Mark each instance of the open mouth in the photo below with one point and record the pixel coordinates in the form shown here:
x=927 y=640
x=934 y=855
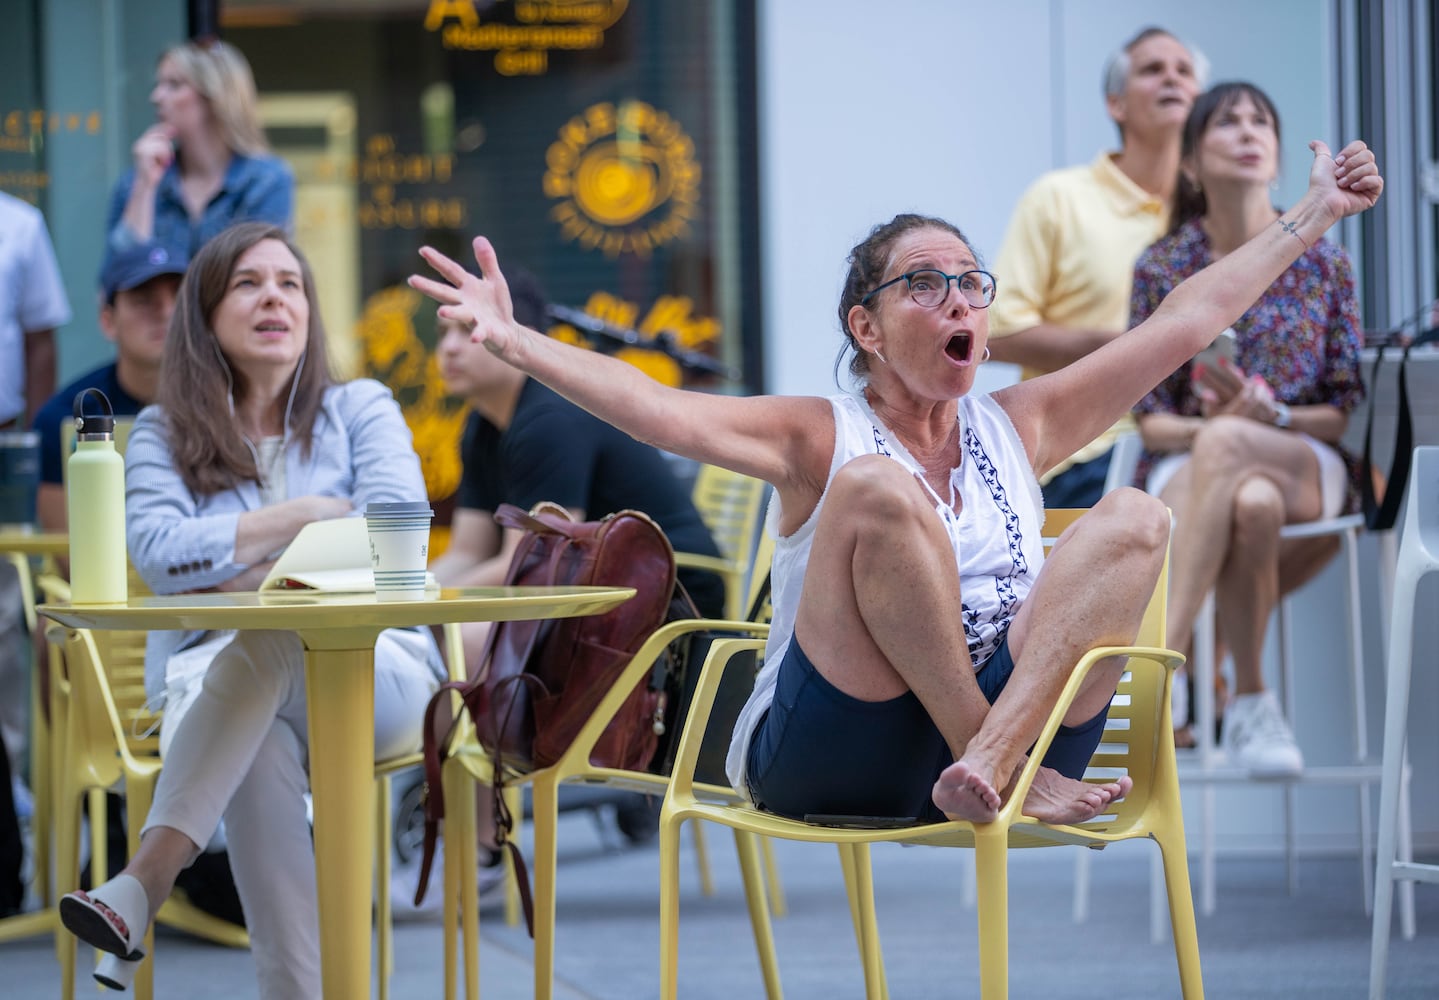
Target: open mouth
x=957 y=347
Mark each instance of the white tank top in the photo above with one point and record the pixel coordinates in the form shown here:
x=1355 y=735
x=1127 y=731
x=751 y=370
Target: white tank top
x=995 y=537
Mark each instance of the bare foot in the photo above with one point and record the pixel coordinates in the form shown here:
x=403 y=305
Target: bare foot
x=962 y=793
x=1053 y=798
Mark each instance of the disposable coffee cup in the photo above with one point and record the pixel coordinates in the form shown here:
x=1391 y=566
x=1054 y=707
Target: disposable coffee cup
x=19 y=479
x=399 y=548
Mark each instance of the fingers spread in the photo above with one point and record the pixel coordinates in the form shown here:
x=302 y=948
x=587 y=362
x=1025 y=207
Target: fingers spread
x=485 y=256
x=437 y=290
x=444 y=265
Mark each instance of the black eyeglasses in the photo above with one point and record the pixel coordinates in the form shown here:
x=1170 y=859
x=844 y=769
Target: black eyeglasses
x=929 y=287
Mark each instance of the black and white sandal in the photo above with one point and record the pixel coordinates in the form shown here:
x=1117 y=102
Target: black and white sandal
x=113 y=918
x=116 y=973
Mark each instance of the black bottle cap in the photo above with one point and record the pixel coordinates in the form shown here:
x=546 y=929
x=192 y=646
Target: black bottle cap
x=96 y=424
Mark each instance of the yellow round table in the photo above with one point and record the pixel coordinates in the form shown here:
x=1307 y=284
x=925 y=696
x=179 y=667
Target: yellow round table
x=339 y=632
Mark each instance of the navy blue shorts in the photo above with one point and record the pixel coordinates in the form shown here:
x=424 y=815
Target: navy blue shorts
x=1079 y=485
x=819 y=751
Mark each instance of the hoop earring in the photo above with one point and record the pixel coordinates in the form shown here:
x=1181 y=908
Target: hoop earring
x=986 y=354
x=880 y=356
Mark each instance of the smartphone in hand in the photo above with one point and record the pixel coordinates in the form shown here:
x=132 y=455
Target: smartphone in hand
x=1221 y=347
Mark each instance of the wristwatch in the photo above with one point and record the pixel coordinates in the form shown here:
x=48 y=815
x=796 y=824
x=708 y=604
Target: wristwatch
x=1282 y=416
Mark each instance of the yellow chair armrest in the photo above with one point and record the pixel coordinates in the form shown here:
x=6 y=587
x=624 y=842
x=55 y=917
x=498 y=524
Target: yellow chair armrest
x=637 y=669
x=714 y=564
x=682 y=783
x=1140 y=657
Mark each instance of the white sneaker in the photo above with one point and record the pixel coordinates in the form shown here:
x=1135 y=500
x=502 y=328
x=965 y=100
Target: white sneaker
x=1256 y=737
x=1179 y=699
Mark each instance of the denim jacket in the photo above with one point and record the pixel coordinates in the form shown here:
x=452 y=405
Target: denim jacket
x=256 y=188
x=178 y=541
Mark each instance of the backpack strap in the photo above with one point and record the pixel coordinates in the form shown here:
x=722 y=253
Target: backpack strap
x=471 y=691
x=1381 y=515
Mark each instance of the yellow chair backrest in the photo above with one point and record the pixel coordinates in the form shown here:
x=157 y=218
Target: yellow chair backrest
x=730 y=505
x=121 y=654
x=96 y=724
x=758 y=605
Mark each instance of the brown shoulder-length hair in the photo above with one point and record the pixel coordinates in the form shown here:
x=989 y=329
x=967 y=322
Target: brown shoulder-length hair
x=198 y=387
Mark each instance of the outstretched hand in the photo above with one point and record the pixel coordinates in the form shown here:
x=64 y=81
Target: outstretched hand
x=480 y=303
x=1348 y=182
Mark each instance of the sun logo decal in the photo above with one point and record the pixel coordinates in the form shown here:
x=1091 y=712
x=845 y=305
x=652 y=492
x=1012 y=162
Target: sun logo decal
x=624 y=179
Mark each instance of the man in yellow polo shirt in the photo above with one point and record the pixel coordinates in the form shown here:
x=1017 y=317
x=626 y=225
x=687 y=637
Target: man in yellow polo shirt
x=1065 y=267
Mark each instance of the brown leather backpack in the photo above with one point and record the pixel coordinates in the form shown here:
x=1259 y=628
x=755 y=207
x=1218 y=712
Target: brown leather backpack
x=537 y=682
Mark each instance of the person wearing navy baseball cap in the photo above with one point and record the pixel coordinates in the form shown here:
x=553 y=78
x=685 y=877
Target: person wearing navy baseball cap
x=138 y=286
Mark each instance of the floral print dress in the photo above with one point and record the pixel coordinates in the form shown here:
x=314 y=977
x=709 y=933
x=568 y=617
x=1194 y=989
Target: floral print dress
x=1302 y=336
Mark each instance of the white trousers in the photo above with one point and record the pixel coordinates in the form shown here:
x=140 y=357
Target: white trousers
x=240 y=753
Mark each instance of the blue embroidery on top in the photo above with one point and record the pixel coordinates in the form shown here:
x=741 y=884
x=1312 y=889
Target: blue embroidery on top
x=881 y=446
x=985 y=636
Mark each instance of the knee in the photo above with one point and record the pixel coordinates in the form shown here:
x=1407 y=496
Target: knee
x=258 y=663
x=1135 y=519
x=1221 y=446
x=1258 y=514
x=877 y=489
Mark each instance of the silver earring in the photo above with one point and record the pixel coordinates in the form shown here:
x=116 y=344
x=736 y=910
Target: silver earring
x=879 y=355
x=986 y=354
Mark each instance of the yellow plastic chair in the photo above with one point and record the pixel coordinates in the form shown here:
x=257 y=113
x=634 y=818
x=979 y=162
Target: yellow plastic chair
x=104 y=733
x=1137 y=741
x=42 y=781
x=384 y=771
x=40 y=747
x=1205 y=766
x=97 y=756
x=730 y=504
x=470 y=763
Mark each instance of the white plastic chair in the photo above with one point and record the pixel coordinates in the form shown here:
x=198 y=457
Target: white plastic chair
x=1206 y=765
x=1418 y=557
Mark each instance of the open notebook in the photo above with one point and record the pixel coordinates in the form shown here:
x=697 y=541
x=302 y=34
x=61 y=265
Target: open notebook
x=331 y=555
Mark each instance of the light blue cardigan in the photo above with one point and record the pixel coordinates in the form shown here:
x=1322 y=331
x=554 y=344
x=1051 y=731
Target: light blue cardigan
x=178 y=541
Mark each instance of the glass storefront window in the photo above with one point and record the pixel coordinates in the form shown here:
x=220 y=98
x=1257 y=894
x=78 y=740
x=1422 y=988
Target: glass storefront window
x=606 y=146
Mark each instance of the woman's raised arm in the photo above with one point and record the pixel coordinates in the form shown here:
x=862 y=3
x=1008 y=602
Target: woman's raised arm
x=1070 y=407
x=769 y=437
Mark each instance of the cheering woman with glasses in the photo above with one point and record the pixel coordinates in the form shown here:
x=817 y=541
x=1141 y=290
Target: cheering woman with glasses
x=920 y=636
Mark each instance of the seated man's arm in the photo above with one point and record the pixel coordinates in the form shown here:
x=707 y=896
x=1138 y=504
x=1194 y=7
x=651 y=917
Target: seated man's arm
x=50 y=507
x=478 y=555
x=1030 y=272
x=479 y=551
x=1048 y=347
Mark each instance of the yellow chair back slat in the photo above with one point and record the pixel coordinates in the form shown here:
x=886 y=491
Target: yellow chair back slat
x=730 y=505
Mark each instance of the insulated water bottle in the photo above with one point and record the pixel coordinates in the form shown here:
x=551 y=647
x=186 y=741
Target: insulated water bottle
x=95 y=500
